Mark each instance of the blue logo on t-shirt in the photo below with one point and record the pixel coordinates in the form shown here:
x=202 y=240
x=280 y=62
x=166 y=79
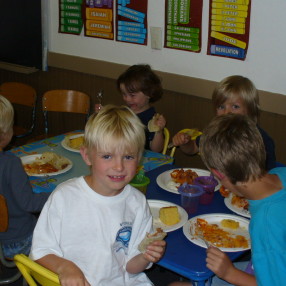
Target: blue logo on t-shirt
x=123 y=238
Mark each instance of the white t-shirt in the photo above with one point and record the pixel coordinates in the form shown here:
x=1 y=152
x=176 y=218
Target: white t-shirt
x=99 y=234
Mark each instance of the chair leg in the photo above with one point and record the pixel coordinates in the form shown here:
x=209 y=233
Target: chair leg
x=8 y=264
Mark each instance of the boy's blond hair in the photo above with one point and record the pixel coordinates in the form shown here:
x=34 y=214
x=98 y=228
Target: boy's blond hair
x=6 y=115
x=238 y=86
x=115 y=128
x=232 y=144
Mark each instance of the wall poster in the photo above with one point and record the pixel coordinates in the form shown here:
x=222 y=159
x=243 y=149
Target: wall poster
x=70 y=16
x=131 y=21
x=183 y=22
x=229 y=28
x=98 y=21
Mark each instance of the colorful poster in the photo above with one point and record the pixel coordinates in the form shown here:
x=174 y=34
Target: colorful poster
x=131 y=21
x=183 y=21
x=98 y=21
x=70 y=16
x=229 y=28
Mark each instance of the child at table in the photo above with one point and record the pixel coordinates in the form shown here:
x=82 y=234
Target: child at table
x=140 y=86
x=15 y=187
x=90 y=228
x=234 y=94
x=233 y=150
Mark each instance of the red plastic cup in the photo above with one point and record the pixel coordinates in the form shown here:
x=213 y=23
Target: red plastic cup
x=190 y=197
x=208 y=183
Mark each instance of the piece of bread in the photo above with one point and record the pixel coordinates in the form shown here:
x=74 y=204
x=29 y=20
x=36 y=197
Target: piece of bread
x=150 y=237
x=152 y=127
x=76 y=143
x=230 y=223
x=169 y=215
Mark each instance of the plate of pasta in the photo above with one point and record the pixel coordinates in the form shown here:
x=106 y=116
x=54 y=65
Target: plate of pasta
x=237 y=204
x=227 y=232
x=168 y=183
x=73 y=143
x=46 y=164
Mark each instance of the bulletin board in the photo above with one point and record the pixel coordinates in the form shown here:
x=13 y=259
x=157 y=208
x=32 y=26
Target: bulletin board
x=229 y=28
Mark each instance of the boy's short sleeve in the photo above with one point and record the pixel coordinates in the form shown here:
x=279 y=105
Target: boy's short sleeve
x=47 y=231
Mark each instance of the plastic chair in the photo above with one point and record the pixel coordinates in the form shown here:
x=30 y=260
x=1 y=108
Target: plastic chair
x=23 y=95
x=61 y=100
x=35 y=273
x=167 y=139
x=3 y=227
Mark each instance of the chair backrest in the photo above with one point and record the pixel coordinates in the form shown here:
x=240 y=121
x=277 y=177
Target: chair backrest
x=4 y=219
x=3 y=214
x=35 y=273
x=21 y=94
x=166 y=140
x=61 y=100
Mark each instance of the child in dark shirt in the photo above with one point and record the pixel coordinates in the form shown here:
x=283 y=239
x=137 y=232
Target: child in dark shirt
x=22 y=203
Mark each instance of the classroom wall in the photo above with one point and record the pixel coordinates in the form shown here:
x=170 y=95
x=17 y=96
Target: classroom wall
x=265 y=63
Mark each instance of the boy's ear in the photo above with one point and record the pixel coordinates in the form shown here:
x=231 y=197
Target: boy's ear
x=85 y=155
x=218 y=174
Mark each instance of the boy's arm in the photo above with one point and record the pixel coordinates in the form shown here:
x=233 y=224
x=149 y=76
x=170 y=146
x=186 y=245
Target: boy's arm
x=154 y=253
x=220 y=264
x=185 y=143
x=157 y=143
x=69 y=273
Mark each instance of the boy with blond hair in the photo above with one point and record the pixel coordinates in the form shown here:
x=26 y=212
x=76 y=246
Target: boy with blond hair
x=89 y=230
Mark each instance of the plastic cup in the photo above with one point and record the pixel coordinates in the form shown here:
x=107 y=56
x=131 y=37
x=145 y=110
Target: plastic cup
x=190 y=197
x=141 y=183
x=208 y=183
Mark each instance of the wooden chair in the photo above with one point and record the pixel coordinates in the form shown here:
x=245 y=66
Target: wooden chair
x=34 y=273
x=4 y=219
x=62 y=101
x=70 y=101
x=23 y=95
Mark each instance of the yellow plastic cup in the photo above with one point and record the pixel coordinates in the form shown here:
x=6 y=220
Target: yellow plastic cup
x=140 y=183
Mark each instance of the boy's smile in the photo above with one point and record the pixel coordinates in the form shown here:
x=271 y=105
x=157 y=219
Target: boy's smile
x=137 y=101
x=110 y=171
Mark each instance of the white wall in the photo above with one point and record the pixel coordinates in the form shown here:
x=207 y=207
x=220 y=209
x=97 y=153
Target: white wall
x=265 y=62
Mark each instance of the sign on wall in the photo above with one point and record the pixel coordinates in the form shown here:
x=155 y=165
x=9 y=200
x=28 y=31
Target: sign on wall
x=70 y=16
x=229 y=28
x=99 y=19
x=183 y=21
x=131 y=21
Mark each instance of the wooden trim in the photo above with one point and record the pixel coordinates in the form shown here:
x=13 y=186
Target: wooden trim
x=271 y=102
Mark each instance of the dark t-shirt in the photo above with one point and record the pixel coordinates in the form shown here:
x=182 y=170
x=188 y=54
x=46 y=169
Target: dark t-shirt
x=145 y=117
x=21 y=201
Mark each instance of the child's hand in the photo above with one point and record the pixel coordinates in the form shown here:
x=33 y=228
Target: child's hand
x=155 y=251
x=181 y=139
x=218 y=262
x=72 y=276
x=161 y=122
